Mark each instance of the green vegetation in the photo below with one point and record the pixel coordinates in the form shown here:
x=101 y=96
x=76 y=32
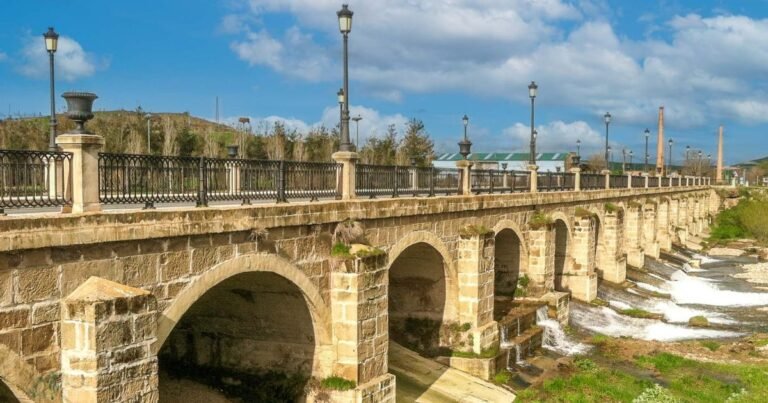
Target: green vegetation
x=522 y=286
x=698 y=321
x=710 y=345
x=503 y=377
x=599 y=302
x=611 y=208
x=659 y=377
x=485 y=353
x=582 y=212
x=341 y=250
x=540 y=220
x=337 y=383
x=470 y=230
x=746 y=220
x=599 y=339
x=639 y=313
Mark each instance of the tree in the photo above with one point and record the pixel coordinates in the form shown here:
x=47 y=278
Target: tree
x=381 y=151
x=596 y=163
x=416 y=144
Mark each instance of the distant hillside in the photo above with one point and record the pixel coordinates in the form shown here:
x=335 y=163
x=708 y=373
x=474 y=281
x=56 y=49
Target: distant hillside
x=126 y=132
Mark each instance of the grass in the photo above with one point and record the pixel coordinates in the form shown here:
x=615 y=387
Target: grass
x=503 y=377
x=611 y=208
x=540 y=220
x=471 y=230
x=710 y=345
x=599 y=339
x=638 y=313
x=337 y=383
x=341 y=250
x=746 y=220
x=486 y=353
x=659 y=377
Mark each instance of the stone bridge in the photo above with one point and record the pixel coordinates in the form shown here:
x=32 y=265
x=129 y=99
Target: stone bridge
x=95 y=306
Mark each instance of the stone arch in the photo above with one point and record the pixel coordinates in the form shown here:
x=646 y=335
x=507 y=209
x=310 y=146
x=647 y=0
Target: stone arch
x=599 y=247
x=563 y=239
x=511 y=256
x=451 y=277
x=17 y=377
x=264 y=263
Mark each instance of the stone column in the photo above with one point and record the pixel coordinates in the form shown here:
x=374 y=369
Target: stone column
x=107 y=331
x=82 y=183
x=691 y=218
x=629 y=181
x=576 y=178
x=475 y=269
x=414 y=180
x=650 y=245
x=645 y=176
x=360 y=323
x=465 y=182
x=348 y=161
x=610 y=261
x=234 y=178
x=534 y=182
x=582 y=280
x=541 y=259
x=633 y=231
x=607 y=174
x=663 y=226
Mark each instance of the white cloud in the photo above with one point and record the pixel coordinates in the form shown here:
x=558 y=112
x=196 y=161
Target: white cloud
x=3 y=56
x=554 y=136
x=72 y=62
x=495 y=48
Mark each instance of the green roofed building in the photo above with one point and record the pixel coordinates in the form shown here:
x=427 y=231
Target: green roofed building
x=547 y=162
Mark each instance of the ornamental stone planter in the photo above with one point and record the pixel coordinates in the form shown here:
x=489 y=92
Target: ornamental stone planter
x=79 y=109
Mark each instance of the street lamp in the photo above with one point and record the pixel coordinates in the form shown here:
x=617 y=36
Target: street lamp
x=709 y=163
x=51 y=44
x=698 y=165
x=607 y=119
x=357 y=120
x=345 y=27
x=532 y=90
x=465 y=145
x=647 y=134
x=232 y=150
x=609 y=157
x=623 y=160
x=149 y=130
x=631 y=154
x=578 y=148
x=669 y=163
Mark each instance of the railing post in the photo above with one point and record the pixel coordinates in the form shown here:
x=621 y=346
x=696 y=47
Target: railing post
x=348 y=160
x=607 y=174
x=395 y=186
x=82 y=182
x=534 y=179
x=629 y=181
x=576 y=178
x=415 y=181
x=431 y=181
x=645 y=176
x=490 y=178
x=465 y=182
x=202 y=184
x=505 y=180
x=281 y=183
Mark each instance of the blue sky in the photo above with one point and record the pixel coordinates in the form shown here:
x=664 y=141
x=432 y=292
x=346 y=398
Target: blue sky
x=706 y=61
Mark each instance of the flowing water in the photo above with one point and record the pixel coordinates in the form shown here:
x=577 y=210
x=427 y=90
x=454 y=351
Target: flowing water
x=554 y=337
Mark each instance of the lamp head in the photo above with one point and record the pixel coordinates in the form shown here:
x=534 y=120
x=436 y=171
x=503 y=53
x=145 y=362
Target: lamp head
x=532 y=89
x=51 y=40
x=345 y=19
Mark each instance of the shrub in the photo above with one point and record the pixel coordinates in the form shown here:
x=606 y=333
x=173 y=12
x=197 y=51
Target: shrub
x=341 y=250
x=540 y=220
x=337 y=383
x=503 y=377
x=655 y=394
x=473 y=229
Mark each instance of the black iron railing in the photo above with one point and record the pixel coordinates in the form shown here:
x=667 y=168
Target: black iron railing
x=638 y=181
x=485 y=181
x=555 y=181
x=383 y=180
x=34 y=179
x=436 y=181
x=150 y=179
x=592 y=181
x=665 y=181
x=653 y=182
x=618 y=181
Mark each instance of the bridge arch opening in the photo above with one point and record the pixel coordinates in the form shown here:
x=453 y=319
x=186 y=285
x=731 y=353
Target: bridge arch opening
x=252 y=335
x=507 y=262
x=561 y=251
x=417 y=298
x=7 y=394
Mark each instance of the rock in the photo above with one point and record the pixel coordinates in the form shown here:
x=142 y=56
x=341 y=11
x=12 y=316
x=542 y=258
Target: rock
x=356 y=248
x=725 y=252
x=762 y=254
x=698 y=321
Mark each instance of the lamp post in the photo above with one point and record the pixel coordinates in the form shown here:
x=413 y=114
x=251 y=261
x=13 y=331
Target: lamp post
x=698 y=165
x=631 y=154
x=340 y=97
x=709 y=163
x=345 y=27
x=623 y=160
x=578 y=148
x=149 y=130
x=647 y=134
x=357 y=120
x=609 y=157
x=465 y=145
x=51 y=44
x=607 y=119
x=669 y=163
x=532 y=90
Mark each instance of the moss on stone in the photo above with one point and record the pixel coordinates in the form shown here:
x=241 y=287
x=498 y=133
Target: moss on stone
x=472 y=230
x=540 y=220
x=337 y=383
x=698 y=321
x=583 y=213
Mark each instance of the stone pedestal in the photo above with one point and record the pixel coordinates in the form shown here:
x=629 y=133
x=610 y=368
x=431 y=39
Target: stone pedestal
x=360 y=322
x=82 y=182
x=465 y=181
x=607 y=174
x=534 y=182
x=107 y=330
x=348 y=160
x=583 y=287
x=576 y=178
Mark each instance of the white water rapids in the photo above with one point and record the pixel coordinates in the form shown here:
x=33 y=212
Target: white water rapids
x=554 y=337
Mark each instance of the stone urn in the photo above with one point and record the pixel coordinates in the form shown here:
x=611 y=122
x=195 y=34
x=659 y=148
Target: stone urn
x=79 y=109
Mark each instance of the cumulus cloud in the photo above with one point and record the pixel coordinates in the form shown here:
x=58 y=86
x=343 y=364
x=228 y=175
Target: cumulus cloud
x=495 y=48
x=72 y=61
x=3 y=56
x=554 y=136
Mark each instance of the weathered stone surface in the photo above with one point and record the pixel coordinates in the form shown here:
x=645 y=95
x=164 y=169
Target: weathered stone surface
x=37 y=284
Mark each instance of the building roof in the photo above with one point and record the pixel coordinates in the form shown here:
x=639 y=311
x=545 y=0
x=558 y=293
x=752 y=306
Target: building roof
x=494 y=157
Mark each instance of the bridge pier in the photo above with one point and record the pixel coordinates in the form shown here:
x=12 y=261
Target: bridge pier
x=107 y=330
x=610 y=261
x=360 y=325
x=476 y=276
x=582 y=280
x=633 y=231
x=663 y=224
x=541 y=259
x=650 y=245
